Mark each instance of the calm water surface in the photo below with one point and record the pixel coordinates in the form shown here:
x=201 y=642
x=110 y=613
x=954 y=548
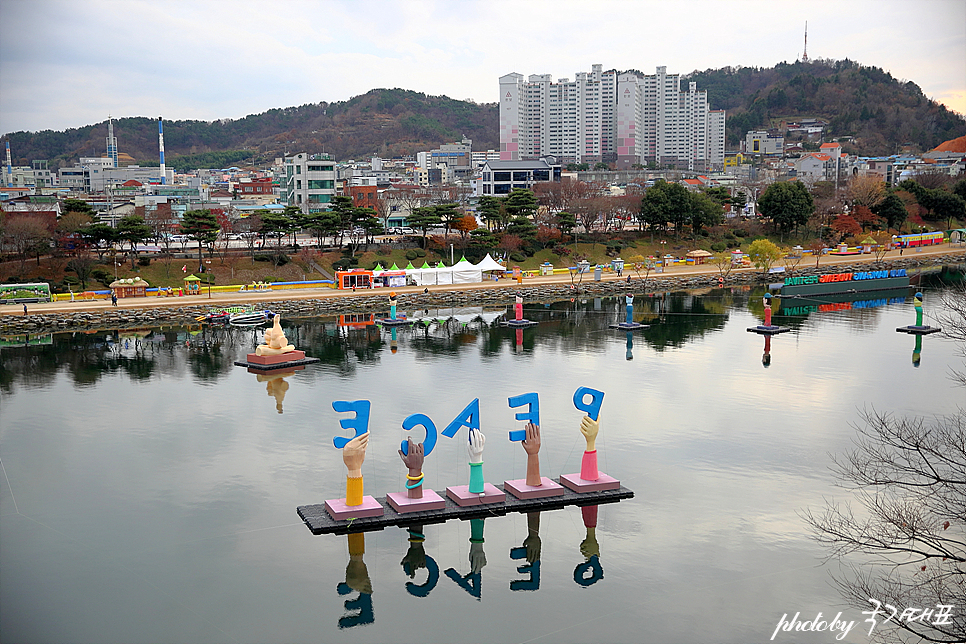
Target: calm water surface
x=149 y=486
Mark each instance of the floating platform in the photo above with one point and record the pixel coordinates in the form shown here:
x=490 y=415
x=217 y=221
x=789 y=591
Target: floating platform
x=273 y=363
x=319 y=521
x=389 y=322
x=633 y=326
x=518 y=324
x=912 y=329
x=768 y=330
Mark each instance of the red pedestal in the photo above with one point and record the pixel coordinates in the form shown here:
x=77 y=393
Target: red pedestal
x=401 y=503
x=461 y=495
x=577 y=484
x=521 y=490
x=339 y=511
x=291 y=356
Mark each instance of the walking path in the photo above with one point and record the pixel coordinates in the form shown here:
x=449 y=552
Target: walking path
x=246 y=297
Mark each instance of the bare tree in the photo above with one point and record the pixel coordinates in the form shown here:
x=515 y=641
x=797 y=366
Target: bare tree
x=909 y=478
x=27 y=234
x=867 y=190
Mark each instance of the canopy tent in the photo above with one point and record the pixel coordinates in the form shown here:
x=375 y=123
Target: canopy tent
x=490 y=264
x=466 y=273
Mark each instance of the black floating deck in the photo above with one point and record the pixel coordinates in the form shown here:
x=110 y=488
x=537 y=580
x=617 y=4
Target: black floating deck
x=912 y=329
x=276 y=367
x=634 y=326
x=319 y=521
x=518 y=324
x=768 y=330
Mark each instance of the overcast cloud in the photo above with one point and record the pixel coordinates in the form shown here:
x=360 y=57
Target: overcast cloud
x=69 y=63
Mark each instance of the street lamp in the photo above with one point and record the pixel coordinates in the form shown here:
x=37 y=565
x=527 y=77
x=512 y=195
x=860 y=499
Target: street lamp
x=208 y=261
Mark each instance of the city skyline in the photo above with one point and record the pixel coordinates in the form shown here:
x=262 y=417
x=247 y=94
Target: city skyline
x=67 y=64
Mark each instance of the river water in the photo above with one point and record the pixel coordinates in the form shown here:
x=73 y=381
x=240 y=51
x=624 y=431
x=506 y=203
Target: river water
x=149 y=486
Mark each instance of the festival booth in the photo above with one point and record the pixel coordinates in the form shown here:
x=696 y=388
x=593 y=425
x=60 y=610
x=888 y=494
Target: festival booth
x=355 y=278
x=698 y=256
x=192 y=285
x=131 y=287
x=490 y=265
x=388 y=278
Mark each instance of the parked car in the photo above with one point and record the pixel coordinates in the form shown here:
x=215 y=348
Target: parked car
x=406 y=230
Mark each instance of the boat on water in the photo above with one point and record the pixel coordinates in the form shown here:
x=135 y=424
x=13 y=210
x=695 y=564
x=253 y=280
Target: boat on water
x=237 y=315
x=250 y=318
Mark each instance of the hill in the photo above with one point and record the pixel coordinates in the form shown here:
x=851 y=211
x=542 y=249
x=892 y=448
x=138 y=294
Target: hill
x=856 y=100
x=384 y=122
x=864 y=102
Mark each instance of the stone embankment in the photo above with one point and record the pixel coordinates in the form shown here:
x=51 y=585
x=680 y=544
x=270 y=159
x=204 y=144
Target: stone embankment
x=12 y=323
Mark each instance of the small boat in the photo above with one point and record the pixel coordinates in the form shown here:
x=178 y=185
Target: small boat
x=222 y=315
x=250 y=318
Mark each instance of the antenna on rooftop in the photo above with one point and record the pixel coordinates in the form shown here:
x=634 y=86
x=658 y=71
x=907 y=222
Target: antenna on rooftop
x=805 y=51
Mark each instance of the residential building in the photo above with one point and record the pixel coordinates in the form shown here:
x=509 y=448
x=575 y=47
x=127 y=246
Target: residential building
x=572 y=120
x=309 y=181
x=502 y=177
x=364 y=196
x=764 y=142
x=659 y=123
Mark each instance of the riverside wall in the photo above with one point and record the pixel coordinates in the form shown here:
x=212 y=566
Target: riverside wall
x=13 y=323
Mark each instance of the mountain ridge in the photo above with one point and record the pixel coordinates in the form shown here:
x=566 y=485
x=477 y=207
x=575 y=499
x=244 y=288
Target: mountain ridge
x=856 y=100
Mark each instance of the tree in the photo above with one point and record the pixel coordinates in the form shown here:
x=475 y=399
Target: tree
x=162 y=222
x=763 y=253
x=704 y=212
x=724 y=262
x=134 y=231
x=600 y=165
x=201 y=226
x=892 y=210
x=251 y=228
x=948 y=206
x=69 y=226
x=787 y=204
x=27 y=234
x=342 y=208
x=908 y=476
x=78 y=206
x=864 y=216
x=654 y=207
x=100 y=236
x=521 y=203
x=464 y=226
x=424 y=219
x=866 y=190
x=276 y=223
x=492 y=210
x=448 y=214
x=82 y=265
x=846 y=226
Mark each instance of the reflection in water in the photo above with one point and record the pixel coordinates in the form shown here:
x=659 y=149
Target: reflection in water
x=275 y=384
x=472 y=582
x=590 y=549
x=766 y=356
x=917 y=352
x=357 y=579
x=629 y=355
x=417 y=559
x=530 y=550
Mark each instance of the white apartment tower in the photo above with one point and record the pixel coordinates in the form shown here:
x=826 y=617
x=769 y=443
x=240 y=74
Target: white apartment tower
x=657 y=122
x=571 y=120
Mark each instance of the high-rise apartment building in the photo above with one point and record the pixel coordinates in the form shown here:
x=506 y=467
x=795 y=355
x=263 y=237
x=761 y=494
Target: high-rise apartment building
x=570 y=120
x=603 y=116
x=659 y=123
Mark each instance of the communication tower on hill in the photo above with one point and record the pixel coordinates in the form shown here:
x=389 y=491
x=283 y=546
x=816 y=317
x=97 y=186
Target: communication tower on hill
x=805 y=51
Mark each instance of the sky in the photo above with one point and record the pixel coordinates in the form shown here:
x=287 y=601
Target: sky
x=70 y=63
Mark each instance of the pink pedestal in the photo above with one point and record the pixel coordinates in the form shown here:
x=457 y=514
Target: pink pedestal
x=462 y=496
x=521 y=490
x=291 y=356
x=577 y=484
x=339 y=511
x=402 y=503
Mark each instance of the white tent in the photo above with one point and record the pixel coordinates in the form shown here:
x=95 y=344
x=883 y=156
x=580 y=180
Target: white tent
x=466 y=273
x=490 y=264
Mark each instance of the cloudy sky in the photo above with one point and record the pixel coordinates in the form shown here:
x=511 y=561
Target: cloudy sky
x=69 y=63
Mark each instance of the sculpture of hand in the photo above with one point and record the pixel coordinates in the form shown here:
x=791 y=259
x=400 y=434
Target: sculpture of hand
x=589 y=546
x=413 y=459
x=532 y=446
x=475 y=447
x=354 y=453
x=589 y=428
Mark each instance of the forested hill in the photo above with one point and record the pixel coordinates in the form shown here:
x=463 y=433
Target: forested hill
x=865 y=102
x=382 y=122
